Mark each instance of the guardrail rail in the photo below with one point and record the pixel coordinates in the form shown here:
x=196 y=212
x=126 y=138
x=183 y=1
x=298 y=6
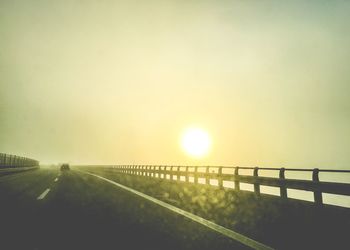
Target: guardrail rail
x=219 y=174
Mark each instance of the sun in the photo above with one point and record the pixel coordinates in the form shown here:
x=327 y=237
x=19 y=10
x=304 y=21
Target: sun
x=196 y=142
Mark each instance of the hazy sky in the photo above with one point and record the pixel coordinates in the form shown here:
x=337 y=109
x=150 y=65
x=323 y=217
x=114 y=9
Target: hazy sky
x=118 y=81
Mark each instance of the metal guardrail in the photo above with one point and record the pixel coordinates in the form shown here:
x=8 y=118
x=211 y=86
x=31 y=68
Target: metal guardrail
x=218 y=173
x=14 y=161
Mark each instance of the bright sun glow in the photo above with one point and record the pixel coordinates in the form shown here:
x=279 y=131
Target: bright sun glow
x=196 y=142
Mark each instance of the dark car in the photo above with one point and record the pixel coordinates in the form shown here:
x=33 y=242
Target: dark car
x=65 y=166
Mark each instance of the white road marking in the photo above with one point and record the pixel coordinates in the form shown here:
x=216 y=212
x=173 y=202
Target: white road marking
x=56 y=179
x=220 y=229
x=42 y=196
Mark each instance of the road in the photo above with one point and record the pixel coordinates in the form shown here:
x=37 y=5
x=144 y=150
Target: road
x=52 y=209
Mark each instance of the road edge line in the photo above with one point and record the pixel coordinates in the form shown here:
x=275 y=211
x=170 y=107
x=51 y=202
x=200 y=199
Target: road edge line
x=220 y=229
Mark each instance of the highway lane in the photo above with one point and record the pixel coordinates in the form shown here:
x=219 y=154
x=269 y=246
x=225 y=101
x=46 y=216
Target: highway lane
x=81 y=211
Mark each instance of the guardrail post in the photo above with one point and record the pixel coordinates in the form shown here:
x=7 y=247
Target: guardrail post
x=195 y=175
x=171 y=173
x=256 y=182
x=220 y=181
x=160 y=172
x=317 y=193
x=236 y=179
x=187 y=176
x=207 y=180
x=283 y=189
x=178 y=173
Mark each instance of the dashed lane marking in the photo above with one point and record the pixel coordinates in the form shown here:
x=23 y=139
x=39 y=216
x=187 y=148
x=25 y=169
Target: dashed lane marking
x=220 y=229
x=42 y=196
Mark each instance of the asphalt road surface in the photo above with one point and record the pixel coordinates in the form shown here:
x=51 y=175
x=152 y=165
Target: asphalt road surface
x=52 y=209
